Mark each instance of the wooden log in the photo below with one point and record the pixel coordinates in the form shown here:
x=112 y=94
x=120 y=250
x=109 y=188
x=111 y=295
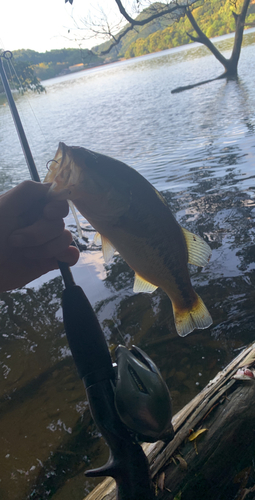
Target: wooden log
x=219 y=463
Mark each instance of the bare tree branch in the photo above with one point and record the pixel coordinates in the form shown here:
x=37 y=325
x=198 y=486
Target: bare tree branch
x=194 y=38
x=173 y=11
x=116 y=40
x=157 y=13
x=202 y=38
x=169 y=9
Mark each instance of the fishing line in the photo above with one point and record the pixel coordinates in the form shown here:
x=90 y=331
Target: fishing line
x=29 y=103
x=10 y=71
x=7 y=61
x=122 y=336
x=17 y=76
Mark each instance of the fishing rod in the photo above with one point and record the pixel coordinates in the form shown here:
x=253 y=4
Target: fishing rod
x=127 y=463
x=15 y=115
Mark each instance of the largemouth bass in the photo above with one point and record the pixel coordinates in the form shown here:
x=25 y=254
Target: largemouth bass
x=133 y=217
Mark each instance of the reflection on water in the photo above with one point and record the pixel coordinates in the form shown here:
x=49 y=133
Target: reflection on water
x=198 y=149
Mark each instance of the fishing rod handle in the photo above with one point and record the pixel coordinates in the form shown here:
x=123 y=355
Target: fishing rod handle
x=127 y=463
x=85 y=337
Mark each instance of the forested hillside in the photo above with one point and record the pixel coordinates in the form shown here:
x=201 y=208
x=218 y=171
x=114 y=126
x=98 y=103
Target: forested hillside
x=214 y=18
x=139 y=32
x=55 y=62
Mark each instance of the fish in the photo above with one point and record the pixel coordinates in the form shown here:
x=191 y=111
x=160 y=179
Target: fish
x=129 y=215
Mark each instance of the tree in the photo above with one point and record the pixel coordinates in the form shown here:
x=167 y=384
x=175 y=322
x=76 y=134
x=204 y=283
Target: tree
x=172 y=11
x=21 y=77
x=55 y=62
x=27 y=78
x=230 y=65
x=115 y=28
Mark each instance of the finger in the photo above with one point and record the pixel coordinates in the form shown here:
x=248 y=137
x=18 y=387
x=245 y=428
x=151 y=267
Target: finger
x=56 y=209
x=28 y=271
x=70 y=255
x=23 y=196
x=52 y=248
x=37 y=234
x=39 y=267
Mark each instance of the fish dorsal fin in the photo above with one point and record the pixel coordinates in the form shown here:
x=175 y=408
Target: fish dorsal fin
x=199 y=251
x=71 y=205
x=141 y=285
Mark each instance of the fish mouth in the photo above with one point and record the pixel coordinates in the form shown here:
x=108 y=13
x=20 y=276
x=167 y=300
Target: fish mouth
x=63 y=172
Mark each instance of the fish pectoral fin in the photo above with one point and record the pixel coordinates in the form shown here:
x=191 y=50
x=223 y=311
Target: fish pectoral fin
x=141 y=285
x=199 y=251
x=187 y=320
x=97 y=239
x=107 y=249
x=72 y=207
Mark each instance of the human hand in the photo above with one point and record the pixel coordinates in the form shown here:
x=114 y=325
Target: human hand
x=32 y=235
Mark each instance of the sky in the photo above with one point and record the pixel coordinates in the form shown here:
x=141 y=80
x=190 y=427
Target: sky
x=43 y=24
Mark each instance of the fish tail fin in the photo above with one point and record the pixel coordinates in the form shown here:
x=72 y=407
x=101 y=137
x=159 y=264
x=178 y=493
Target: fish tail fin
x=187 y=320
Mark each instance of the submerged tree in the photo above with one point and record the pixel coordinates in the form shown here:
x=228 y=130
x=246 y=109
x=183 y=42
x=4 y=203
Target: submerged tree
x=171 y=12
x=230 y=65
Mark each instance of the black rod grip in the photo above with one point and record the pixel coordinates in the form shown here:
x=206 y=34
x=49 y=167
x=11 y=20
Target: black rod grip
x=127 y=463
x=85 y=337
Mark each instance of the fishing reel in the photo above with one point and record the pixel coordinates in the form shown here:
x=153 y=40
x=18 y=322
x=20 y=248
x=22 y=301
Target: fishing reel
x=141 y=396
x=135 y=405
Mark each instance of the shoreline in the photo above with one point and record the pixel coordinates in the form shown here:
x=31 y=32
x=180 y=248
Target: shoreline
x=123 y=59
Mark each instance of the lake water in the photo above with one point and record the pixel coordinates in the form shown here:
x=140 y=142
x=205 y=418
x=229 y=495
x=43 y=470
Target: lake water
x=198 y=148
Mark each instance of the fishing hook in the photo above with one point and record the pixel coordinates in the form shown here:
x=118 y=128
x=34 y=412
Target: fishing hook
x=50 y=161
